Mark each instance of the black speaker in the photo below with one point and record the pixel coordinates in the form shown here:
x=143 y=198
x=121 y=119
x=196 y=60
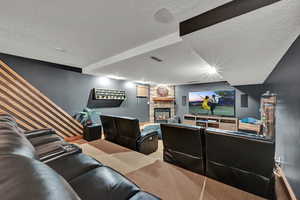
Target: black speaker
x=244 y=100
x=183 y=100
x=92 y=132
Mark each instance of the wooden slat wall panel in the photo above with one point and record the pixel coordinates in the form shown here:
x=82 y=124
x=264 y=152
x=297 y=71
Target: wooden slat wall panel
x=31 y=108
x=24 y=92
x=37 y=95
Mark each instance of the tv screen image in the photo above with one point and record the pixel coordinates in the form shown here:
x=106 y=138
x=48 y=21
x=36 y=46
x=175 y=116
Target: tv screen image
x=220 y=103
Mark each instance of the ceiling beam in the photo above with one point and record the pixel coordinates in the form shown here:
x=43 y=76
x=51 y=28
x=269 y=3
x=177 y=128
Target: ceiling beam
x=222 y=13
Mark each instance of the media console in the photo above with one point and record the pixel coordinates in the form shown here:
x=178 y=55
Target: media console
x=207 y=121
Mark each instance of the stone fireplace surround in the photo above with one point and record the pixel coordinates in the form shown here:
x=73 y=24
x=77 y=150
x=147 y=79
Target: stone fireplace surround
x=161 y=104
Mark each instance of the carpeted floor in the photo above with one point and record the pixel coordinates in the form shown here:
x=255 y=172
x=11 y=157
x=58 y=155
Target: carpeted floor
x=153 y=175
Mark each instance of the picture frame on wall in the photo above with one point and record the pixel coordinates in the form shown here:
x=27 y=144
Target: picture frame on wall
x=142 y=91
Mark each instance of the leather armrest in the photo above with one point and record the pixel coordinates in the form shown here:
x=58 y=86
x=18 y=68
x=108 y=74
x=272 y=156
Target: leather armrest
x=148 y=142
x=39 y=132
x=147 y=134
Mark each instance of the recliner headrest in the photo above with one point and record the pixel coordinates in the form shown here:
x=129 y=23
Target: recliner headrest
x=9 y=119
x=14 y=142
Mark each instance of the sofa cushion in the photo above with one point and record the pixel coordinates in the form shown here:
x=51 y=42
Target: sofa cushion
x=25 y=178
x=103 y=183
x=14 y=142
x=9 y=119
x=76 y=164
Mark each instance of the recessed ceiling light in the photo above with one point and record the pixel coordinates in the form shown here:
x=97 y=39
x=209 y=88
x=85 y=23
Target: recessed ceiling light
x=163 y=85
x=116 y=77
x=60 y=49
x=212 y=70
x=142 y=82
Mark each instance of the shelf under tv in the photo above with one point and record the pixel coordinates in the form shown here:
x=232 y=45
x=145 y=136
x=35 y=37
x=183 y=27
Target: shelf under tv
x=209 y=121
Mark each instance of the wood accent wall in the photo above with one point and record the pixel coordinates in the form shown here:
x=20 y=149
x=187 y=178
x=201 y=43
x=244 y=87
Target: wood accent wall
x=31 y=108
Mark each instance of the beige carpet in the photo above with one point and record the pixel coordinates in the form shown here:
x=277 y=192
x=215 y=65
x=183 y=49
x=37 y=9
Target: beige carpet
x=162 y=179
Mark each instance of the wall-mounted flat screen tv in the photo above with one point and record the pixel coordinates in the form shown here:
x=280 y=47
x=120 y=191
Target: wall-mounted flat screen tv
x=219 y=102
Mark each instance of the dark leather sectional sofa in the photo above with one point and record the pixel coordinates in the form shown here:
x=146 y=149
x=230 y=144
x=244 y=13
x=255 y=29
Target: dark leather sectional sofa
x=242 y=160
x=126 y=132
x=64 y=174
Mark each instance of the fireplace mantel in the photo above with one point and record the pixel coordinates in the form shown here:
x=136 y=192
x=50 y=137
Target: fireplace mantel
x=164 y=99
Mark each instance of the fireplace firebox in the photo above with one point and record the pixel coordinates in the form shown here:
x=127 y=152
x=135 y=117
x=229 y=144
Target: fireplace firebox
x=161 y=115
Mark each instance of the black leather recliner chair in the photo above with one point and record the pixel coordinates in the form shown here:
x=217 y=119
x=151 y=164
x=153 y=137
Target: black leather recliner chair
x=184 y=146
x=72 y=177
x=126 y=132
x=241 y=160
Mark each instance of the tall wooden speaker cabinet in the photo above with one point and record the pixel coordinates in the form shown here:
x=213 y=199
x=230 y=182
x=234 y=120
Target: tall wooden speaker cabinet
x=268 y=114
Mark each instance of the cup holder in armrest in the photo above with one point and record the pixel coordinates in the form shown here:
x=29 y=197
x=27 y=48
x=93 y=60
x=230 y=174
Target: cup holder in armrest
x=60 y=151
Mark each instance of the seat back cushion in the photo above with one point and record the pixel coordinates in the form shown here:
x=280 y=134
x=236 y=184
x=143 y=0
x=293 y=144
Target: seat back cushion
x=129 y=132
x=109 y=127
x=240 y=161
x=9 y=119
x=252 y=155
x=82 y=162
x=103 y=183
x=184 y=146
x=12 y=141
x=25 y=178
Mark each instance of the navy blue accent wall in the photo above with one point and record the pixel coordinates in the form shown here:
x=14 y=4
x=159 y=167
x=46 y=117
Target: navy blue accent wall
x=285 y=81
x=70 y=90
